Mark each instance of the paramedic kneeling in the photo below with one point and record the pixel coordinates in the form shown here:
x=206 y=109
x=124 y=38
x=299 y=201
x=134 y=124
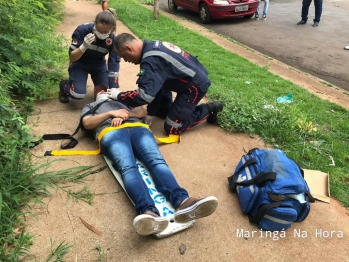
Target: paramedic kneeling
x=164 y=67
x=123 y=146
x=90 y=44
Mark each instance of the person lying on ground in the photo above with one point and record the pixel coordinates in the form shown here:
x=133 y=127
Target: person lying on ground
x=91 y=42
x=123 y=146
x=164 y=67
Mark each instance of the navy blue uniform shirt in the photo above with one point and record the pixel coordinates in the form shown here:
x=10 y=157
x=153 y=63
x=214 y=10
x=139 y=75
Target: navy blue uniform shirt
x=163 y=63
x=95 y=54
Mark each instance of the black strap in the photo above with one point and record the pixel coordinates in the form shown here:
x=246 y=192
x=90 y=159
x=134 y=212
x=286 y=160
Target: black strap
x=309 y=197
x=73 y=142
x=247 y=163
x=262 y=211
x=257 y=180
x=232 y=181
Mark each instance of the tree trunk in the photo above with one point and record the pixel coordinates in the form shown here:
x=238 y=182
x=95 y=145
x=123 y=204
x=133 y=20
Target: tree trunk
x=156 y=9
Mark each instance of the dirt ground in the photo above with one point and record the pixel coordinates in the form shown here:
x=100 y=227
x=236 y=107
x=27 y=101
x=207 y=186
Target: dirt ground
x=203 y=160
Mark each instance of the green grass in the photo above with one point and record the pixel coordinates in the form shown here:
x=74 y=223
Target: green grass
x=309 y=130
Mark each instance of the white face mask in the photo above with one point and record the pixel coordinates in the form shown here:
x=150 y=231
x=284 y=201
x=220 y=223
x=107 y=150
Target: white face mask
x=101 y=97
x=99 y=35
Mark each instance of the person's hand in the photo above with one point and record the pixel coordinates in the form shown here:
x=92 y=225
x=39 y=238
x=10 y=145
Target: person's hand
x=116 y=121
x=121 y=113
x=87 y=42
x=113 y=93
x=148 y=120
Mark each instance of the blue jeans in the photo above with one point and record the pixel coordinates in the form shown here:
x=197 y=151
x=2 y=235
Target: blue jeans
x=122 y=147
x=265 y=9
x=318 y=9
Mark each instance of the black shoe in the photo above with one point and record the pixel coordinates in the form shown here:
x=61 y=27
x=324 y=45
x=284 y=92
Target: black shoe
x=302 y=22
x=63 y=97
x=316 y=24
x=214 y=108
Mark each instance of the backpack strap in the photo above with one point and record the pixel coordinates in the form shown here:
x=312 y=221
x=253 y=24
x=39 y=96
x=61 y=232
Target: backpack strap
x=309 y=197
x=257 y=180
x=262 y=211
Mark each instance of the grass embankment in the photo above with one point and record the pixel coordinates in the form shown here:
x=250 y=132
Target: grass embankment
x=310 y=130
x=32 y=61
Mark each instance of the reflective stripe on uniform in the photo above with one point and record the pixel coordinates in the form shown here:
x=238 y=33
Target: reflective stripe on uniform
x=99 y=49
x=171 y=60
x=76 y=95
x=172 y=123
x=145 y=96
x=113 y=74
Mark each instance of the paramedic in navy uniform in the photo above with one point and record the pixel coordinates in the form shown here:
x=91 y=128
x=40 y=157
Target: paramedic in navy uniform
x=91 y=42
x=164 y=67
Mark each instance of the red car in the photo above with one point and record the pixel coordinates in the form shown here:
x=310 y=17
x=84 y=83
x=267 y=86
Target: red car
x=217 y=9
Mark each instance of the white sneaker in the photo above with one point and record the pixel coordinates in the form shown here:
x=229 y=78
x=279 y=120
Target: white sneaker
x=146 y=224
x=346 y=47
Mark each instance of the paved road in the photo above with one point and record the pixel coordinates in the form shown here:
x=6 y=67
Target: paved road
x=317 y=51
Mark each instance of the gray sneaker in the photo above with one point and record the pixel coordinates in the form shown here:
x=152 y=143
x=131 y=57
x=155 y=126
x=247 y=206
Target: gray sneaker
x=264 y=17
x=316 y=24
x=302 y=22
x=256 y=17
x=149 y=223
x=194 y=208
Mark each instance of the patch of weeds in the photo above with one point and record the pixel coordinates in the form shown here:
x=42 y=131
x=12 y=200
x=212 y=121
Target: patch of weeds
x=101 y=255
x=58 y=253
x=267 y=66
x=326 y=83
x=146 y=2
x=84 y=194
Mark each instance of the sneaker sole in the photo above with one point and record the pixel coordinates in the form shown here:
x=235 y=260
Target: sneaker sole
x=203 y=208
x=148 y=225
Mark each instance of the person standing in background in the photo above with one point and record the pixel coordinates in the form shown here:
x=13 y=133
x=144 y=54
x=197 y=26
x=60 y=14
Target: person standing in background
x=265 y=10
x=305 y=10
x=105 y=4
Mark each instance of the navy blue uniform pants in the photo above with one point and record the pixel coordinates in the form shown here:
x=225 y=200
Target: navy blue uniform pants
x=184 y=112
x=78 y=73
x=318 y=9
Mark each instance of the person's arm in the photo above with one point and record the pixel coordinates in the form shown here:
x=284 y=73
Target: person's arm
x=79 y=46
x=138 y=112
x=75 y=55
x=113 y=66
x=91 y=122
x=150 y=80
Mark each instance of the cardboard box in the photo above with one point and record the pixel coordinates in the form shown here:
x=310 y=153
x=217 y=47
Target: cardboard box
x=319 y=184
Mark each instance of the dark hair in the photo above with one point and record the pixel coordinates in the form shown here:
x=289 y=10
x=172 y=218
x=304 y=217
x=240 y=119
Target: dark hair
x=122 y=40
x=107 y=17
